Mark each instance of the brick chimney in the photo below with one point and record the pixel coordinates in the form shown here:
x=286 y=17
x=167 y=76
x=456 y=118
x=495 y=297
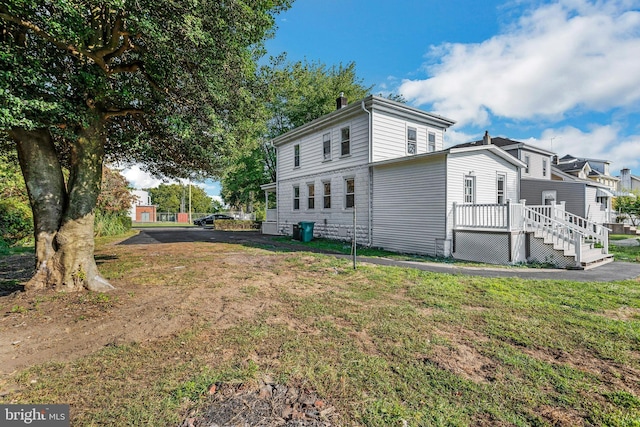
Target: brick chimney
x=486 y=139
x=341 y=102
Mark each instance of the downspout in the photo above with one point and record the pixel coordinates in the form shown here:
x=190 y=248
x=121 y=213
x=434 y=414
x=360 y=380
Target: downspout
x=369 y=219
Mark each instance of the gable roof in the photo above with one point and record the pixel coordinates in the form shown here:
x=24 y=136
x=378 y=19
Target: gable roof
x=575 y=166
x=367 y=104
x=564 y=176
x=493 y=149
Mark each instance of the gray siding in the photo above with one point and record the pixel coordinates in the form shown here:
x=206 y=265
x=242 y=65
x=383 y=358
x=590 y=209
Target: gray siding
x=408 y=209
x=572 y=193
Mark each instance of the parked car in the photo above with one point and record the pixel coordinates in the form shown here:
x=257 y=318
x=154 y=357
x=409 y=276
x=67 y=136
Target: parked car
x=210 y=219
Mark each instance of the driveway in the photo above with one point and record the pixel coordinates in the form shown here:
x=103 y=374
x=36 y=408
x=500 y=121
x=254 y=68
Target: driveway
x=614 y=271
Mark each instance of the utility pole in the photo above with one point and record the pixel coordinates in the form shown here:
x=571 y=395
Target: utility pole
x=190 y=221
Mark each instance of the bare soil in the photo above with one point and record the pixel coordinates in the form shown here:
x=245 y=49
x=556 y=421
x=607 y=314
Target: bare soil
x=213 y=287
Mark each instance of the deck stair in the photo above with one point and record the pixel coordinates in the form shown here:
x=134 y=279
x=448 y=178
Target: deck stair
x=580 y=243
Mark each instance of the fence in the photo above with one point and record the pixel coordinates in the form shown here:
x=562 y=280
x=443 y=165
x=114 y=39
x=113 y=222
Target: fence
x=183 y=217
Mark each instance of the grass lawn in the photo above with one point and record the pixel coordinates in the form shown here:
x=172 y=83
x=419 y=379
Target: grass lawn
x=386 y=346
x=624 y=253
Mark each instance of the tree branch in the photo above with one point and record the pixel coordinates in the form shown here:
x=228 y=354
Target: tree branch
x=119 y=113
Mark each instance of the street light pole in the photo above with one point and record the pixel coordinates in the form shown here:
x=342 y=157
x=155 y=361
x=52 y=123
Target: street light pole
x=190 y=221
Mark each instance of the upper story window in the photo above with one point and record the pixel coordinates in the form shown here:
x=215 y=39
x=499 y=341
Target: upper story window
x=412 y=141
x=327 y=195
x=296 y=155
x=544 y=167
x=527 y=159
x=501 y=187
x=345 y=141
x=296 y=198
x=469 y=189
x=311 y=196
x=349 y=192
x=431 y=141
x=326 y=146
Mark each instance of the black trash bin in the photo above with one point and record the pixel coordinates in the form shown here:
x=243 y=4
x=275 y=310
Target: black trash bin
x=296 y=232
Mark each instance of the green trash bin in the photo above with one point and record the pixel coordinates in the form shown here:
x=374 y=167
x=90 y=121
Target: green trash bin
x=306 y=230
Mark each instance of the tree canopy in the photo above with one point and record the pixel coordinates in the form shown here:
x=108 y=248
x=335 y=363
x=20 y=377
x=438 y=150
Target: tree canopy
x=175 y=198
x=167 y=84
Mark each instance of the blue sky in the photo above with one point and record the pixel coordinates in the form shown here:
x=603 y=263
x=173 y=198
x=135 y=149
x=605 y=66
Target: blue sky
x=561 y=75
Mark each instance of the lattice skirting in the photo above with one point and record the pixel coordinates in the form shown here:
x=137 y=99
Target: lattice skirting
x=544 y=253
x=481 y=246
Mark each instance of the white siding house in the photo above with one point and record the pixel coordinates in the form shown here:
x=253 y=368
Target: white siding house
x=410 y=194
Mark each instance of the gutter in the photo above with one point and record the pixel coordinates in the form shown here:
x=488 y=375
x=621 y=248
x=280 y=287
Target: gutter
x=370 y=219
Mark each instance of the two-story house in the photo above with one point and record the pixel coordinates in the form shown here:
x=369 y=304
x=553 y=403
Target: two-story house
x=387 y=161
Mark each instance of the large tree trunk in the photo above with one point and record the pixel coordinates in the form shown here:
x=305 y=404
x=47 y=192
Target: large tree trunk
x=63 y=218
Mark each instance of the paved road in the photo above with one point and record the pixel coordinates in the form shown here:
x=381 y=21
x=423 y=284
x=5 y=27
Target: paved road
x=610 y=272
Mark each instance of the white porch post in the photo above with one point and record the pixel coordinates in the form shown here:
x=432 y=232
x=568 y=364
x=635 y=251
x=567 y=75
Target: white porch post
x=454 y=215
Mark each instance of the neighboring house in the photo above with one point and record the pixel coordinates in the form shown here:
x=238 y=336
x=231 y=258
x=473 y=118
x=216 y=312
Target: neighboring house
x=628 y=182
x=387 y=160
x=591 y=169
x=141 y=209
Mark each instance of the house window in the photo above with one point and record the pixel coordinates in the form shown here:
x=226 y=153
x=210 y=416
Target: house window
x=412 y=141
x=526 y=161
x=349 y=192
x=469 y=189
x=296 y=155
x=431 y=140
x=311 y=196
x=327 y=195
x=296 y=198
x=544 y=167
x=501 y=187
x=345 y=141
x=326 y=146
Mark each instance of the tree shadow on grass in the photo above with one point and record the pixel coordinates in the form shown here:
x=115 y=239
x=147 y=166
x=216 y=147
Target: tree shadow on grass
x=15 y=271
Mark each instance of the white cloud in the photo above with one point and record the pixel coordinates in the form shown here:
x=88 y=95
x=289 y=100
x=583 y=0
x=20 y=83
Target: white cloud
x=600 y=142
x=572 y=54
x=140 y=179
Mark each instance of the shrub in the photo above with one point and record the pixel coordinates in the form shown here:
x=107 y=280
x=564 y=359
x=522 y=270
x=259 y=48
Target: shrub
x=111 y=224
x=16 y=222
x=236 y=224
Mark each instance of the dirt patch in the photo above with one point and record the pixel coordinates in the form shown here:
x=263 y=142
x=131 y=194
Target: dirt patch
x=263 y=405
x=461 y=357
x=614 y=375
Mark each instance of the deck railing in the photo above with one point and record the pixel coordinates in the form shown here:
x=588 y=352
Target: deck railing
x=563 y=228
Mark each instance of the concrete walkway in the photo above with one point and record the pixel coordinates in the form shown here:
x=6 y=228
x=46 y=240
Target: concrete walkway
x=613 y=271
